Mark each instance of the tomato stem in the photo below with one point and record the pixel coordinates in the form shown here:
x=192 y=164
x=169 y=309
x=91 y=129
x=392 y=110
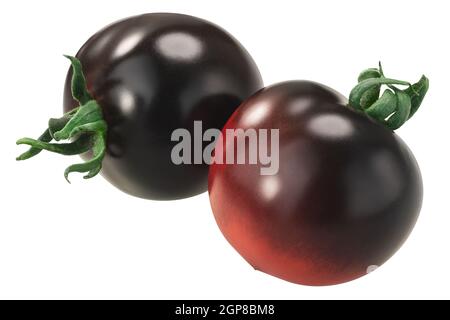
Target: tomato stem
x=83 y=126
x=395 y=106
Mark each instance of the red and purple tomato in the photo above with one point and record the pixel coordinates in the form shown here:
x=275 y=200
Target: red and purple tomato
x=155 y=73
x=346 y=196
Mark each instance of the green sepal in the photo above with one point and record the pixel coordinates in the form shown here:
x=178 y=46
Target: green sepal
x=369 y=84
x=94 y=165
x=83 y=126
x=88 y=113
x=79 y=87
x=395 y=106
x=371 y=95
x=33 y=151
x=81 y=145
x=417 y=93
x=383 y=107
x=402 y=111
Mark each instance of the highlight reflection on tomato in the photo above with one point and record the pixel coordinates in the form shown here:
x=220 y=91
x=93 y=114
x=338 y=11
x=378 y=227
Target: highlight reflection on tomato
x=347 y=194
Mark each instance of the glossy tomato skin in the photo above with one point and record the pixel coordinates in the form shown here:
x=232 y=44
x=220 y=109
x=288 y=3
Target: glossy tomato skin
x=155 y=73
x=346 y=196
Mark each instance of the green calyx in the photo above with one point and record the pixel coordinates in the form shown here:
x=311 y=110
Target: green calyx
x=83 y=127
x=395 y=106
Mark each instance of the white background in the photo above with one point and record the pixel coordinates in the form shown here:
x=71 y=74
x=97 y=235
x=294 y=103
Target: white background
x=89 y=240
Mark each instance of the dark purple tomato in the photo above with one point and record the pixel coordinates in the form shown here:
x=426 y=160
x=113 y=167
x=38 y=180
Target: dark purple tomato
x=347 y=193
x=152 y=74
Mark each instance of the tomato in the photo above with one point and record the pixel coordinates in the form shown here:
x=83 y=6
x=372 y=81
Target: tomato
x=152 y=74
x=347 y=193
